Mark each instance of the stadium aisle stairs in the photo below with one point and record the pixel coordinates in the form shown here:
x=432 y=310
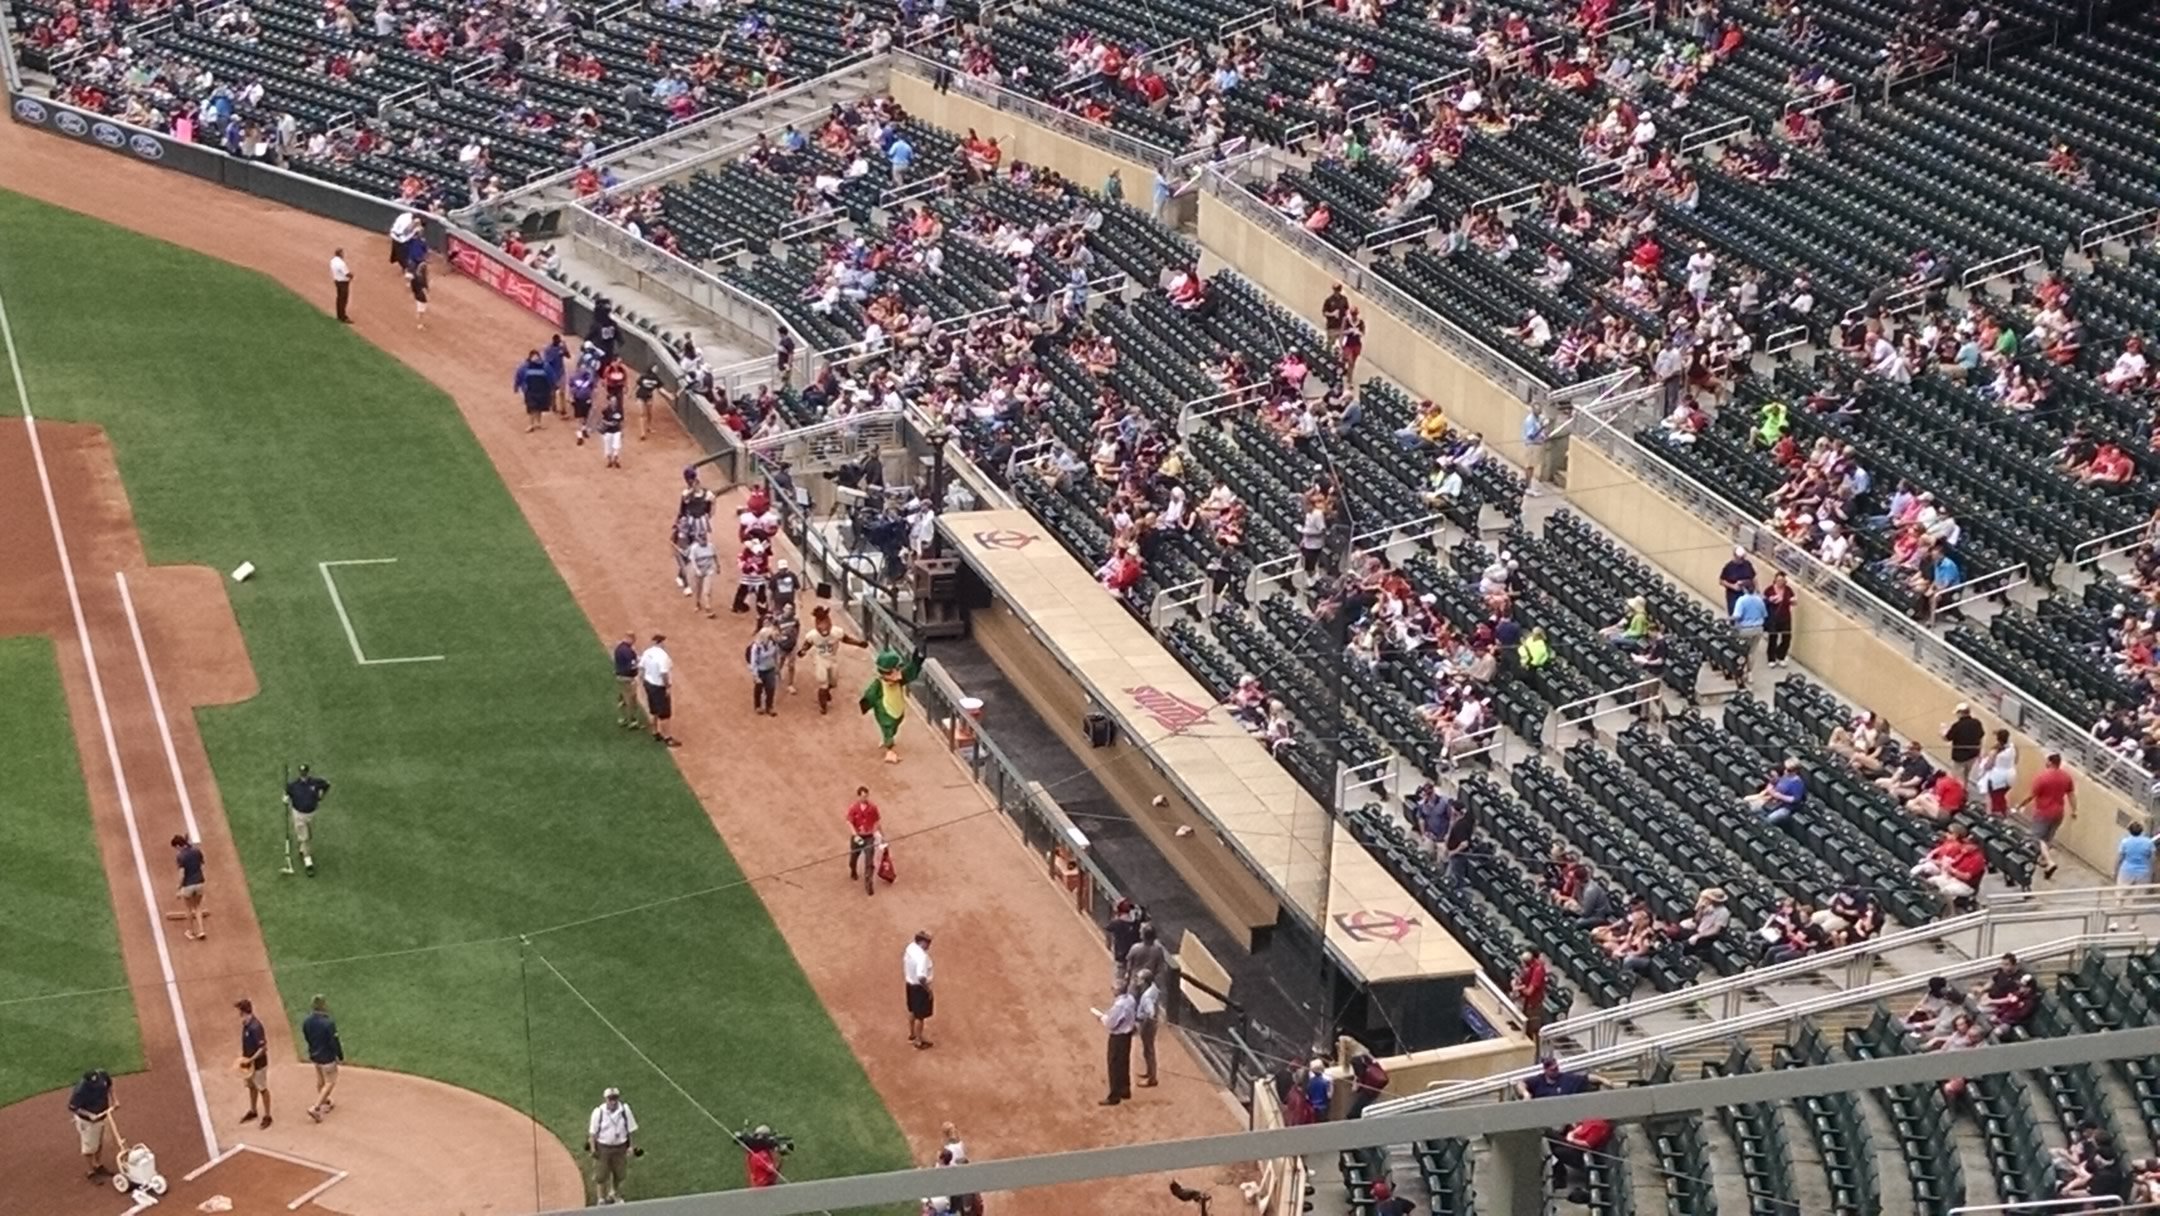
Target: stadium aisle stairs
x=591 y=274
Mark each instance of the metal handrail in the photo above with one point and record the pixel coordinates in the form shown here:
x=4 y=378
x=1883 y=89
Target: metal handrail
x=1982 y=586
x=2008 y=264
x=2099 y=548
x=1820 y=101
x=829 y=426
x=1716 y=133
x=2101 y=233
x=1695 y=994
x=1508 y=198
x=1396 y=234
x=1502 y=1085
x=2070 y=1203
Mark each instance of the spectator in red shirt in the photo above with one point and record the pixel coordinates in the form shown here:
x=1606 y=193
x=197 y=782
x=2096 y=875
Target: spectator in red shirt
x=1953 y=867
x=2053 y=798
x=761 y=1158
x=1941 y=800
x=1572 y=1152
x=1529 y=991
x=862 y=819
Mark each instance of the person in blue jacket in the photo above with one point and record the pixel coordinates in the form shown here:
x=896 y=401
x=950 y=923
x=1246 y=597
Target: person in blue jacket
x=533 y=385
x=557 y=358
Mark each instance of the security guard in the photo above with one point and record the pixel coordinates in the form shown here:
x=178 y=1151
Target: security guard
x=303 y=795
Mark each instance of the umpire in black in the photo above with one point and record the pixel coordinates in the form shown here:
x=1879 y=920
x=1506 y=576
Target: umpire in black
x=303 y=794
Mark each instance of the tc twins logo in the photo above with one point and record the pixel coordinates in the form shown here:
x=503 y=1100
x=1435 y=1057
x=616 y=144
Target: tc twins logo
x=1170 y=711
x=1363 y=926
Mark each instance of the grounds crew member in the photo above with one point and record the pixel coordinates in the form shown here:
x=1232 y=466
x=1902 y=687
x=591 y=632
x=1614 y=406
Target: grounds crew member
x=608 y=1137
x=254 y=1062
x=536 y=388
x=325 y=1052
x=91 y=1106
x=303 y=795
x=188 y=855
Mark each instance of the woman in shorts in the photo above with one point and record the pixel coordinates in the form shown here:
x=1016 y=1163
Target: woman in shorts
x=417 y=279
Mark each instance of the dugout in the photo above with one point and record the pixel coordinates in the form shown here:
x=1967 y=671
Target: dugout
x=1270 y=862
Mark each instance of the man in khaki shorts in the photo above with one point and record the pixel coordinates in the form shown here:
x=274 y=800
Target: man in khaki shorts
x=91 y=1106
x=609 y=1136
x=823 y=644
x=254 y=1062
x=325 y=1052
x=188 y=856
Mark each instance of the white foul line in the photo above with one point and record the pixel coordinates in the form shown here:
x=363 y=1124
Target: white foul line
x=112 y=748
x=157 y=703
x=351 y=638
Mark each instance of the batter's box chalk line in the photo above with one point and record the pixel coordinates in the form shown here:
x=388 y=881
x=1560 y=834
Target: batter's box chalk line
x=337 y=601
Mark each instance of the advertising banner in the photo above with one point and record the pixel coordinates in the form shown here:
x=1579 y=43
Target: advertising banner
x=474 y=261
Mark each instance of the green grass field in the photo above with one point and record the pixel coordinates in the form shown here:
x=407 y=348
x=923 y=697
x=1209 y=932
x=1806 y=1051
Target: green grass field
x=59 y=918
x=476 y=798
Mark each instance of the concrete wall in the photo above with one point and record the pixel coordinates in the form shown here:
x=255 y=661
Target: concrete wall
x=1022 y=140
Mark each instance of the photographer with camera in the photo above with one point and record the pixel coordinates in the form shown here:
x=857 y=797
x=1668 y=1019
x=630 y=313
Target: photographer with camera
x=609 y=1138
x=762 y=1150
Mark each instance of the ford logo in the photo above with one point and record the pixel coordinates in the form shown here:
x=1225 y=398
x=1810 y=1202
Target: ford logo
x=147 y=147
x=72 y=123
x=109 y=135
x=30 y=109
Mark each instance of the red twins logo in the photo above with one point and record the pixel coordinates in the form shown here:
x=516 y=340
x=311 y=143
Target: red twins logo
x=1363 y=926
x=1170 y=711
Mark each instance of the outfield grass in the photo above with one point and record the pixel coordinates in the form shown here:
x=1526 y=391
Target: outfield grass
x=474 y=799
x=59 y=934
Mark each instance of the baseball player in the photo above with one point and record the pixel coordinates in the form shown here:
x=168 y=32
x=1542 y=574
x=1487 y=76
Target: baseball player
x=687 y=530
x=823 y=645
x=611 y=425
x=787 y=633
x=583 y=382
x=303 y=796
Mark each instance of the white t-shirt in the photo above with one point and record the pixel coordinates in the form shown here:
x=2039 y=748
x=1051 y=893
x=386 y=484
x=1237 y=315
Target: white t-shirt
x=611 y=1126
x=339 y=272
x=915 y=963
x=655 y=667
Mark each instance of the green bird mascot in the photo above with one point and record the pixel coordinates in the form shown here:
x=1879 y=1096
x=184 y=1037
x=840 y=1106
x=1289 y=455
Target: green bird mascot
x=886 y=697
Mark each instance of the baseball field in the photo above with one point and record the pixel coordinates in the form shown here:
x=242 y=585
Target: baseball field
x=517 y=903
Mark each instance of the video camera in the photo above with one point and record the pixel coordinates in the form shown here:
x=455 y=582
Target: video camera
x=764 y=1139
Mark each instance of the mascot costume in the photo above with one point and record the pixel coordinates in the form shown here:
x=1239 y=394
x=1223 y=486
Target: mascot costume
x=886 y=697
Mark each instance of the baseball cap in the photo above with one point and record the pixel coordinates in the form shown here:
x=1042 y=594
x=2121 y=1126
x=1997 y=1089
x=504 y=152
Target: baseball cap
x=610 y=1092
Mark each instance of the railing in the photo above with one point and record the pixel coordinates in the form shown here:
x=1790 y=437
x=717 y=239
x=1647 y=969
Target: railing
x=2073 y=1203
x=1581 y=713
x=2120 y=226
x=1592 y=176
x=1229 y=400
x=1377 y=774
x=2051 y=729
x=922 y=187
x=1819 y=102
x=392 y=100
x=1424 y=89
x=1782 y=340
x=1409 y=531
x=1982 y=586
x=843 y=436
x=1238 y=25
x=1050 y=117
x=1629 y=19
x=2100 y=548
x=2090 y=909
x=817 y=221
x=1490 y=741
x=1596 y=388
x=1716 y=133
x=1508 y=200
x=1175 y=598
x=1268 y=573
x=1396 y=234
x=1641 y=1051
x=2004 y=266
